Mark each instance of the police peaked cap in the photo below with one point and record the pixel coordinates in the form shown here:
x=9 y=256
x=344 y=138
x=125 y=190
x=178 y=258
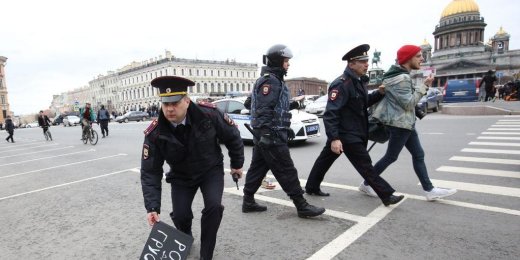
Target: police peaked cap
x=172 y=88
x=358 y=53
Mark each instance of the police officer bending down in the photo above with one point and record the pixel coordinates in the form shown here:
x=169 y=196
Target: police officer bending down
x=271 y=120
x=186 y=136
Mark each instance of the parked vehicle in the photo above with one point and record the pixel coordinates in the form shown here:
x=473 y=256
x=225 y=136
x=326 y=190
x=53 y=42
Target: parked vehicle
x=461 y=90
x=32 y=124
x=303 y=124
x=57 y=120
x=133 y=116
x=431 y=101
x=318 y=106
x=71 y=120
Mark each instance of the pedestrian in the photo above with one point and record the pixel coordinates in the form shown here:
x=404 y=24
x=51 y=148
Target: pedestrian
x=102 y=119
x=9 y=127
x=44 y=122
x=187 y=136
x=396 y=111
x=489 y=81
x=87 y=116
x=346 y=125
x=271 y=120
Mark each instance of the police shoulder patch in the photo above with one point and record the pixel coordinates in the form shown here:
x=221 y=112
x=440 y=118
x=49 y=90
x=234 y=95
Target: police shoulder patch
x=146 y=152
x=266 y=89
x=151 y=127
x=207 y=104
x=333 y=94
x=229 y=120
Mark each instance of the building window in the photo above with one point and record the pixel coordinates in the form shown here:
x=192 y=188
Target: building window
x=174 y=72
x=189 y=71
x=204 y=73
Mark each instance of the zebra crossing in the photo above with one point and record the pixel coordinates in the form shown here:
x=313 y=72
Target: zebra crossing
x=495 y=154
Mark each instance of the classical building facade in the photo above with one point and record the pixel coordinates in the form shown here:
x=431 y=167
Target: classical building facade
x=459 y=50
x=129 y=87
x=311 y=86
x=4 y=101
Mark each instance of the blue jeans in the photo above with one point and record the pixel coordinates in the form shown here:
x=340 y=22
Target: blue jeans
x=399 y=138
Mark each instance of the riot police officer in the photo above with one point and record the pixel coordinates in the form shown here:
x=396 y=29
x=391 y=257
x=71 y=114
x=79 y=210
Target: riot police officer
x=271 y=120
x=187 y=136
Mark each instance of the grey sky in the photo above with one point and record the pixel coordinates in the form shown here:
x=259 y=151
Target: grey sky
x=55 y=45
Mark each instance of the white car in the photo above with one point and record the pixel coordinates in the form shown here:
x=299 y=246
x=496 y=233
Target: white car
x=303 y=124
x=32 y=124
x=71 y=120
x=318 y=106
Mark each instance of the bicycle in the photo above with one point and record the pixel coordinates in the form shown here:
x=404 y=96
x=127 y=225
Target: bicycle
x=47 y=133
x=91 y=136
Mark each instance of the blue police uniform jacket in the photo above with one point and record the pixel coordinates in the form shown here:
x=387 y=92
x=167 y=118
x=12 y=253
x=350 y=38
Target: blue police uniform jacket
x=346 y=113
x=270 y=101
x=190 y=161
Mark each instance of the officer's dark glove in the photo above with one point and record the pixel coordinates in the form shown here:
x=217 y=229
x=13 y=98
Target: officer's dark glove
x=290 y=135
x=294 y=105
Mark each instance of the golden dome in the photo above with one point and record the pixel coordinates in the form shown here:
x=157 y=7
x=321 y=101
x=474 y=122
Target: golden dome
x=460 y=6
x=425 y=42
x=501 y=32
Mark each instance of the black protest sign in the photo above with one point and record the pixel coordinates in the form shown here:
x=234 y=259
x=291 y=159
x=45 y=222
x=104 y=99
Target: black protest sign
x=166 y=242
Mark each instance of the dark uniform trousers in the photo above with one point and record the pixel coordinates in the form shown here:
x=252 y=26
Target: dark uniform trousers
x=277 y=158
x=358 y=155
x=103 y=123
x=212 y=188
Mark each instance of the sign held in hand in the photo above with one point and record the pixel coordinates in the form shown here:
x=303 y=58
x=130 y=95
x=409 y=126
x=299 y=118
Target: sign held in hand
x=166 y=242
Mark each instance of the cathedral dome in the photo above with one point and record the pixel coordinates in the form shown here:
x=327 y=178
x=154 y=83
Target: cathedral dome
x=460 y=6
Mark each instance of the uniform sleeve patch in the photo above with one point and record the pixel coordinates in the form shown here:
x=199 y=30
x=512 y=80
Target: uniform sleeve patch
x=266 y=89
x=229 y=120
x=146 y=152
x=333 y=94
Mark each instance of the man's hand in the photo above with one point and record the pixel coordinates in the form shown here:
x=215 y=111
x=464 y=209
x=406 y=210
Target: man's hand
x=237 y=171
x=336 y=146
x=428 y=81
x=381 y=89
x=152 y=218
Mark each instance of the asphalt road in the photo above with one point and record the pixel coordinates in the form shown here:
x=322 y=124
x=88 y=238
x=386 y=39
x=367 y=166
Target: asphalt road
x=63 y=199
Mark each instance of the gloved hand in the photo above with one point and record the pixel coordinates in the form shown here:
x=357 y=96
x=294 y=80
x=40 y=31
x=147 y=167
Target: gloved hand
x=290 y=134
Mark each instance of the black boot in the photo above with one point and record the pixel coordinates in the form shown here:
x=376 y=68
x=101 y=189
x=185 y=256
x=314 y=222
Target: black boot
x=392 y=200
x=305 y=209
x=250 y=205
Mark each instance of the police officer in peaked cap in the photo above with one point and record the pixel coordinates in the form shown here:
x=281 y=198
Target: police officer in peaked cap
x=346 y=125
x=187 y=136
x=271 y=121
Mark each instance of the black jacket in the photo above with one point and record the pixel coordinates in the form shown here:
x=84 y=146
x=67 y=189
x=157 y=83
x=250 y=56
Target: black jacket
x=189 y=163
x=346 y=115
x=43 y=121
x=9 y=126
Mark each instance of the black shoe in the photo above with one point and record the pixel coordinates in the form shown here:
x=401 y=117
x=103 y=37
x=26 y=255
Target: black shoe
x=249 y=205
x=306 y=210
x=392 y=200
x=317 y=193
x=103 y=136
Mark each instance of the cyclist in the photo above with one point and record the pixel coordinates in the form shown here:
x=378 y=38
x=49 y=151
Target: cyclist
x=44 y=123
x=87 y=116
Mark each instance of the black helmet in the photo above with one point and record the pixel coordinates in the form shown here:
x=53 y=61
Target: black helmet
x=276 y=54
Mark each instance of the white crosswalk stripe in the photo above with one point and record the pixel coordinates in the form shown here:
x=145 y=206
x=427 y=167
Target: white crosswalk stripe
x=504 y=129
x=479 y=171
x=500 y=133
x=499 y=138
x=495 y=144
x=473 y=187
x=484 y=160
x=495 y=151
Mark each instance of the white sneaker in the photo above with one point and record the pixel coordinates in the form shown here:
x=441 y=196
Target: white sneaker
x=367 y=190
x=437 y=193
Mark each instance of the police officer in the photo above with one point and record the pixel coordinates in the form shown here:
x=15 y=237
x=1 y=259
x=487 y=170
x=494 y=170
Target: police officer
x=271 y=120
x=187 y=136
x=44 y=122
x=346 y=125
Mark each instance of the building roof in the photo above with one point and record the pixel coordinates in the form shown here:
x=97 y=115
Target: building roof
x=460 y=6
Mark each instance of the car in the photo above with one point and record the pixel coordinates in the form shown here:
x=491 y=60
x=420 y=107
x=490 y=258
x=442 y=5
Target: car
x=57 y=120
x=71 y=120
x=431 y=101
x=461 y=90
x=133 y=116
x=318 y=106
x=303 y=124
x=32 y=124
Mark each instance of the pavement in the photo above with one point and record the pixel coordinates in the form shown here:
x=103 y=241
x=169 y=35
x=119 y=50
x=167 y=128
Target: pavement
x=498 y=107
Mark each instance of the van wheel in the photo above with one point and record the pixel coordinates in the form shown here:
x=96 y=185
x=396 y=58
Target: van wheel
x=436 y=108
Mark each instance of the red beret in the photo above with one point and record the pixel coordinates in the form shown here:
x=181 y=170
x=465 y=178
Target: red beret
x=407 y=52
